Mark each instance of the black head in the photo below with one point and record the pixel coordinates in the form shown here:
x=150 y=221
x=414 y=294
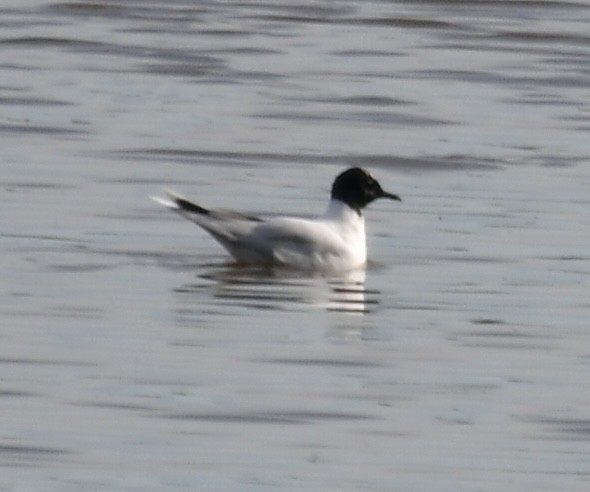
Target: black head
x=357 y=188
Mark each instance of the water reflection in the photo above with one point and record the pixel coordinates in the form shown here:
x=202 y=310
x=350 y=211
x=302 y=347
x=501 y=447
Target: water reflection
x=348 y=294
x=280 y=289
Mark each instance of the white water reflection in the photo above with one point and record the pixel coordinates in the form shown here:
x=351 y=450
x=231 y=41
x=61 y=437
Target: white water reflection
x=281 y=290
x=348 y=294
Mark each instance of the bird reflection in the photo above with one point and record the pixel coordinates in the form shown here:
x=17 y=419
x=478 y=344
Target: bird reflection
x=349 y=294
x=278 y=289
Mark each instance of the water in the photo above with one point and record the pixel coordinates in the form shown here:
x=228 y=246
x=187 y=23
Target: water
x=134 y=357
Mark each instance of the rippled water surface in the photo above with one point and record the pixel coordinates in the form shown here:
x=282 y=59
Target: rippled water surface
x=133 y=356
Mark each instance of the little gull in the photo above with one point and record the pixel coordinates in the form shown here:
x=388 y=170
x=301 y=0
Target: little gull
x=332 y=242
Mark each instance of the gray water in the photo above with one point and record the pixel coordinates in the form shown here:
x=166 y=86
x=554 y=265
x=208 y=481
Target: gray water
x=134 y=356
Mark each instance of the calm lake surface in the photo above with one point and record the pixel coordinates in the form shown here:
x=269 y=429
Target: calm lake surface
x=134 y=357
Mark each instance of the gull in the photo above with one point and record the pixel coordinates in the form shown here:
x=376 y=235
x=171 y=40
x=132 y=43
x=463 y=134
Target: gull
x=332 y=242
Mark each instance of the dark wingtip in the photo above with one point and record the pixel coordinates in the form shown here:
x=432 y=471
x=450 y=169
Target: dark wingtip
x=190 y=207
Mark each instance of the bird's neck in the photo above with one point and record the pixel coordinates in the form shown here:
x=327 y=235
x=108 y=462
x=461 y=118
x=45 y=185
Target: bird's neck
x=350 y=227
x=340 y=211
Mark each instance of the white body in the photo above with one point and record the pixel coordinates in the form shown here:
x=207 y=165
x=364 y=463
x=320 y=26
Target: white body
x=333 y=242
